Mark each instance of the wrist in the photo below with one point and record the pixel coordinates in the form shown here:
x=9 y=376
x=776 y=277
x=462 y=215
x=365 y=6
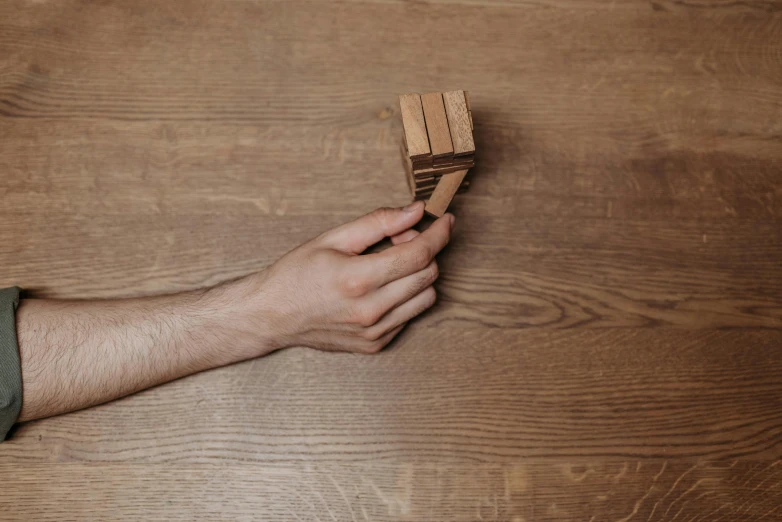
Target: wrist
x=239 y=320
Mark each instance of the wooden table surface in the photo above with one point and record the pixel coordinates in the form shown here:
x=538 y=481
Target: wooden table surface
x=608 y=341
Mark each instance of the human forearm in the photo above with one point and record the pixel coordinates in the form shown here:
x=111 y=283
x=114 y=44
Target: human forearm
x=76 y=354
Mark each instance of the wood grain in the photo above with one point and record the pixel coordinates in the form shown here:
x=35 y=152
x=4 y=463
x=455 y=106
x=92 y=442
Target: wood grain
x=606 y=342
x=437 y=124
x=459 y=122
x=415 y=126
x=566 y=394
x=639 y=489
x=444 y=192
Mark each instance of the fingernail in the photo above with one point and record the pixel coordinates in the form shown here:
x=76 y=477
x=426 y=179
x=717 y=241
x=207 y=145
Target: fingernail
x=411 y=207
x=453 y=221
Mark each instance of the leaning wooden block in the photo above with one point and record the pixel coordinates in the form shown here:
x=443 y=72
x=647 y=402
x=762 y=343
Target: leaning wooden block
x=437 y=124
x=459 y=123
x=415 y=125
x=444 y=193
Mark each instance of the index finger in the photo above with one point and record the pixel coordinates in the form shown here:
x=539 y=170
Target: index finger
x=407 y=258
x=360 y=234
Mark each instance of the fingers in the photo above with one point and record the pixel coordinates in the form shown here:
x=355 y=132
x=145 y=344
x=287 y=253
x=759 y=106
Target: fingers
x=405 y=236
x=404 y=259
x=358 y=235
x=380 y=343
x=397 y=292
x=402 y=313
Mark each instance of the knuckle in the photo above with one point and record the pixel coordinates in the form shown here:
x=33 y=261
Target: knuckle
x=396 y=267
x=365 y=317
x=422 y=280
x=353 y=285
x=382 y=215
x=371 y=334
x=374 y=346
x=320 y=258
x=430 y=297
x=434 y=271
x=420 y=257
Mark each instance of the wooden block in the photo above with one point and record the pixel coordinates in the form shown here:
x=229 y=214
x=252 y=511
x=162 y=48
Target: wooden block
x=444 y=193
x=422 y=188
x=410 y=181
x=418 y=196
x=442 y=162
x=442 y=169
x=423 y=164
x=459 y=123
x=415 y=125
x=429 y=187
x=425 y=173
x=408 y=171
x=453 y=159
x=437 y=124
x=464 y=163
x=428 y=191
x=441 y=159
x=469 y=108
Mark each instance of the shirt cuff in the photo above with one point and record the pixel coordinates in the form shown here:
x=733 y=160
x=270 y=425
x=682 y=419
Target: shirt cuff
x=10 y=365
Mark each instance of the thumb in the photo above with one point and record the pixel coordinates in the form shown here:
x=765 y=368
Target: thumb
x=358 y=235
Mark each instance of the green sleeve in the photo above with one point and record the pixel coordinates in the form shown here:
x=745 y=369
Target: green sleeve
x=10 y=366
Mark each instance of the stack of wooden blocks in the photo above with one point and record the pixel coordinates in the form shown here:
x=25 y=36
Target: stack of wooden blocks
x=438 y=147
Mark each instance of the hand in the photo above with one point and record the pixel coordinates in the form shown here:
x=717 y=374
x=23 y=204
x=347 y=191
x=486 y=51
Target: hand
x=326 y=295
